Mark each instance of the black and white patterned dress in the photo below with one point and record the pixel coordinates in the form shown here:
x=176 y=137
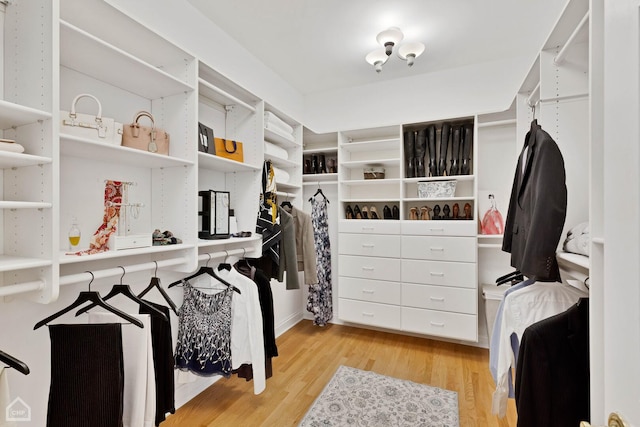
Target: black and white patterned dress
x=204 y=332
x=320 y=301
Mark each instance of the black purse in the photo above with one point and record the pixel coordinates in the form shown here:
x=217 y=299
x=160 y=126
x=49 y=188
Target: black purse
x=205 y=139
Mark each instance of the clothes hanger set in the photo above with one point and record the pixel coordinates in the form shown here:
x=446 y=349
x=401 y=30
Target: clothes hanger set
x=95 y=299
x=206 y=270
x=14 y=363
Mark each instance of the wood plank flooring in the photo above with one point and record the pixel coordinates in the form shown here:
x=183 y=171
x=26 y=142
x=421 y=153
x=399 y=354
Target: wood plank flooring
x=309 y=356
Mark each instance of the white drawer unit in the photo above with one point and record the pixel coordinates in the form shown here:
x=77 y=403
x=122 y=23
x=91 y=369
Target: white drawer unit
x=443 y=298
x=440 y=323
x=439 y=248
x=369 y=267
x=443 y=273
x=369 y=313
x=379 y=245
x=371 y=226
x=370 y=290
x=440 y=228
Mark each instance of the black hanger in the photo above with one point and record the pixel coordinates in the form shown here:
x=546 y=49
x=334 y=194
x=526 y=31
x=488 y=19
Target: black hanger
x=225 y=265
x=93 y=297
x=205 y=270
x=120 y=289
x=514 y=276
x=286 y=204
x=319 y=191
x=14 y=363
x=155 y=284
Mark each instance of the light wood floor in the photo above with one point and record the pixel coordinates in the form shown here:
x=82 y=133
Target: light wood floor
x=309 y=356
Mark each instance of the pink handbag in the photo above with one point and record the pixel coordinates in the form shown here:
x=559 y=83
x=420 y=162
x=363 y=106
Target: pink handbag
x=145 y=138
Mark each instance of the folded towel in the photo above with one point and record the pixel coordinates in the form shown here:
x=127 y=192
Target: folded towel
x=272 y=119
x=577 y=240
x=280 y=175
x=275 y=151
x=280 y=132
x=12 y=147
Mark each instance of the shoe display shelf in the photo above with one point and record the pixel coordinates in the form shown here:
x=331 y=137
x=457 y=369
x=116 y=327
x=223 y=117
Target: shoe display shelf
x=319 y=158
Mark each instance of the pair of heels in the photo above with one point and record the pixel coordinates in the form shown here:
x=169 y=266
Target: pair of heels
x=423 y=214
x=391 y=213
x=364 y=213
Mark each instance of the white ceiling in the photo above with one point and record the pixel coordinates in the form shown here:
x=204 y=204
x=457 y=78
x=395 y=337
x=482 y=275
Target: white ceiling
x=320 y=45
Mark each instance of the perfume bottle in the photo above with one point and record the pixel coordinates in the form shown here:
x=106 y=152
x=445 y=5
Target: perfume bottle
x=74 y=235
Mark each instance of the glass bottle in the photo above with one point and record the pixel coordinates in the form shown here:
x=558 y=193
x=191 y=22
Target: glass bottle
x=74 y=235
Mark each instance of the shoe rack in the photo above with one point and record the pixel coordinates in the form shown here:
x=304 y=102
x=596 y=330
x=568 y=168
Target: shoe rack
x=319 y=158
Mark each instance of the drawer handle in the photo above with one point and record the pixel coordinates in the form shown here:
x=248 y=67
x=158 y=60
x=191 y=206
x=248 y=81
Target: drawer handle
x=367 y=268
x=438 y=324
x=368 y=291
x=436 y=249
x=364 y=313
x=436 y=229
x=436 y=299
x=436 y=274
x=368 y=245
x=367 y=228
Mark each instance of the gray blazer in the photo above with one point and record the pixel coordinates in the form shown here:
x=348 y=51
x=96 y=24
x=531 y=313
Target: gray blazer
x=288 y=256
x=305 y=248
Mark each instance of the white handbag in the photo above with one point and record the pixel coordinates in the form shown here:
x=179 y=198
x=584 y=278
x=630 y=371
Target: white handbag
x=88 y=126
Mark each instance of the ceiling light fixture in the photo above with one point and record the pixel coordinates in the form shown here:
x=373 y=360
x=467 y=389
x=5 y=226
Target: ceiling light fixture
x=389 y=38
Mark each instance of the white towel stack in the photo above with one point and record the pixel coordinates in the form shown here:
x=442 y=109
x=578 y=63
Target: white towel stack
x=10 y=145
x=277 y=125
x=281 y=176
x=272 y=150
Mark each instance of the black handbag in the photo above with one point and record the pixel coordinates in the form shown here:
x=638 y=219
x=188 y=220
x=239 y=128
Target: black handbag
x=205 y=139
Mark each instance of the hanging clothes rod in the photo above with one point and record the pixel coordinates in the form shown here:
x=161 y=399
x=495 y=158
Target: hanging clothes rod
x=117 y=271
x=21 y=288
x=531 y=96
x=208 y=256
x=559 y=58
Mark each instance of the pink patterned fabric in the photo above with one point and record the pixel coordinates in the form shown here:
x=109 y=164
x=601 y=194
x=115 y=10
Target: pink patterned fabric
x=100 y=239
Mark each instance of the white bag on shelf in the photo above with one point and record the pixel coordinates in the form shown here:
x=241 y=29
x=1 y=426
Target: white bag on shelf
x=94 y=127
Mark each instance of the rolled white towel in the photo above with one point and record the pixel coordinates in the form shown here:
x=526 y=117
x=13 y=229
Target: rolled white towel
x=280 y=132
x=273 y=150
x=281 y=175
x=272 y=119
x=12 y=147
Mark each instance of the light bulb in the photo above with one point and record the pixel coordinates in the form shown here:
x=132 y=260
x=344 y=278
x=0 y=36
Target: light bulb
x=389 y=38
x=410 y=51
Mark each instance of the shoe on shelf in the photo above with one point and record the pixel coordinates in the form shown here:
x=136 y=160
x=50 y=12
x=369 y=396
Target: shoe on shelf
x=413 y=213
x=356 y=212
x=349 y=212
x=425 y=213
x=436 y=212
x=395 y=212
x=446 y=211
x=386 y=212
x=365 y=212
x=374 y=212
x=456 y=211
x=467 y=211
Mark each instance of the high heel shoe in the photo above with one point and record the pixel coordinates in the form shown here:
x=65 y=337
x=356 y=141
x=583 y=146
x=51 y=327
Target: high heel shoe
x=413 y=213
x=348 y=212
x=386 y=212
x=356 y=212
x=425 y=213
x=374 y=212
x=436 y=212
x=395 y=212
x=456 y=211
x=365 y=212
x=467 y=211
x=446 y=211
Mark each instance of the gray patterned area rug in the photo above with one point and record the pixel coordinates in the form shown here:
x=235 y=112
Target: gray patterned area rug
x=354 y=397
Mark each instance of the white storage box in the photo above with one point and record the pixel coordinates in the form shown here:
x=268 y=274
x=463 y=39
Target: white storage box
x=131 y=241
x=492 y=295
x=436 y=189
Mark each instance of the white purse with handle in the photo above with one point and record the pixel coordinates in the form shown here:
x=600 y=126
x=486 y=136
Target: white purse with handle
x=93 y=127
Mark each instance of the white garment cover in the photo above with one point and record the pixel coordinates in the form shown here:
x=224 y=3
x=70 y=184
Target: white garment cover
x=5 y=398
x=247 y=337
x=139 y=408
x=521 y=309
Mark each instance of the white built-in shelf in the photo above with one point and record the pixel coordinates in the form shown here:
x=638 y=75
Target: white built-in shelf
x=360 y=164
x=440 y=178
x=497 y=123
x=219 y=96
x=372 y=145
x=11 y=263
x=278 y=139
x=319 y=177
x=235 y=241
x=7 y=204
x=317 y=183
x=598 y=240
x=283 y=163
x=573 y=261
x=438 y=199
x=371 y=200
x=18 y=160
x=287 y=187
x=12 y=115
x=490 y=241
x=213 y=162
x=491 y=236
x=87 y=54
x=86 y=148
x=490 y=245
x=73 y=259
x=373 y=182
x=309 y=150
